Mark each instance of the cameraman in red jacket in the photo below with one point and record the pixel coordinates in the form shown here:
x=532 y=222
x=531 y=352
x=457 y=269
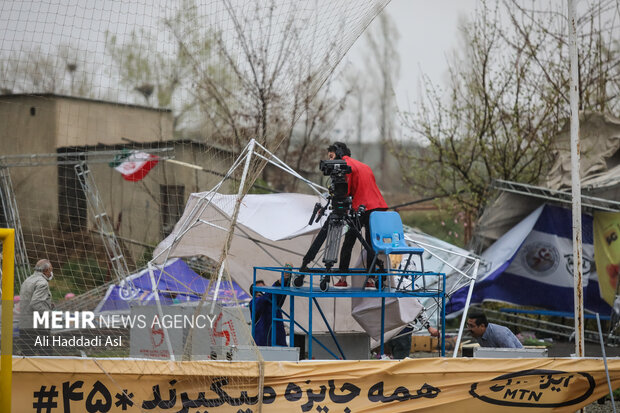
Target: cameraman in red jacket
x=364 y=191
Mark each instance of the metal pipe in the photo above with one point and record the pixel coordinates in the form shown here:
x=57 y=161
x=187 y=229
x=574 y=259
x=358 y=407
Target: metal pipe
x=600 y=335
x=233 y=221
x=160 y=311
x=331 y=332
x=576 y=180
x=465 y=309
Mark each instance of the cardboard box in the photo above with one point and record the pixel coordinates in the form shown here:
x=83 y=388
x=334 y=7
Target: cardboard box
x=424 y=343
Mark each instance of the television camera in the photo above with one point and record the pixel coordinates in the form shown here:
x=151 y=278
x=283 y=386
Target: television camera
x=338 y=190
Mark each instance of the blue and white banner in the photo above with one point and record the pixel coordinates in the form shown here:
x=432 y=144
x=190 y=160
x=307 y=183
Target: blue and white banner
x=532 y=265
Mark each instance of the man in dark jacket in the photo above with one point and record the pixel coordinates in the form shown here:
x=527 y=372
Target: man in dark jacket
x=261 y=306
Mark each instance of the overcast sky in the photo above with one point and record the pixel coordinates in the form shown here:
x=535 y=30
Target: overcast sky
x=428 y=36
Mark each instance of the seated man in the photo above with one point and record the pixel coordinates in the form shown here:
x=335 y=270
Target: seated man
x=489 y=334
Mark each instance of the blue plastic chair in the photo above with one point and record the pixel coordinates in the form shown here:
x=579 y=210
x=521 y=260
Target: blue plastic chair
x=385 y=226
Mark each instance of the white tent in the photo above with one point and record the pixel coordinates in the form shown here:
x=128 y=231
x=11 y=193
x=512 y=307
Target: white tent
x=271 y=230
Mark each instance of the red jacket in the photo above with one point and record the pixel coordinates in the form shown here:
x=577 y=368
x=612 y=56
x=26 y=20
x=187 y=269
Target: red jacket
x=362 y=186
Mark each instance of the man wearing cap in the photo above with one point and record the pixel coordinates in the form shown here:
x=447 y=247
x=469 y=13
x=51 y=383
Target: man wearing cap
x=364 y=191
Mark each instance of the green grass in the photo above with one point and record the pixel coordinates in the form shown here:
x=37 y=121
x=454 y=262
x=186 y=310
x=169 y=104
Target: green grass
x=77 y=277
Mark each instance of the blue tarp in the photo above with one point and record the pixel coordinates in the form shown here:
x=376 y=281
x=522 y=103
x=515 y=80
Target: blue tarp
x=532 y=265
x=176 y=283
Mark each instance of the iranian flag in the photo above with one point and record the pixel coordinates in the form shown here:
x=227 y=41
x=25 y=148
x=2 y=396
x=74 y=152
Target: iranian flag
x=134 y=165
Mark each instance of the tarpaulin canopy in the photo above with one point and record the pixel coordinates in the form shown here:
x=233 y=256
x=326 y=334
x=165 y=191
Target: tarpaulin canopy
x=175 y=282
x=599 y=136
x=532 y=265
x=271 y=230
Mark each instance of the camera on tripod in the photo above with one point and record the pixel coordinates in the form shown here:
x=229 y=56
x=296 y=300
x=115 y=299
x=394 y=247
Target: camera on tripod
x=334 y=167
x=342 y=215
x=338 y=189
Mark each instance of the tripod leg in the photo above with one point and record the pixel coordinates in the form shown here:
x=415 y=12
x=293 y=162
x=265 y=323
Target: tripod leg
x=400 y=278
x=332 y=242
x=316 y=245
x=298 y=279
x=324 y=282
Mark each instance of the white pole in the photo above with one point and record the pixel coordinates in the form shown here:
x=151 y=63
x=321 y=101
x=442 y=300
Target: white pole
x=233 y=220
x=160 y=311
x=466 y=308
x=576 y=179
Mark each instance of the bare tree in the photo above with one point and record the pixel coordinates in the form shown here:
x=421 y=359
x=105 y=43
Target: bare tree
x=266 y=83
x=308 y=138
x=540 y=31
x=385 y=69
x=506 y=100
x=356 y=124
x=63 y=71
x=167 y=76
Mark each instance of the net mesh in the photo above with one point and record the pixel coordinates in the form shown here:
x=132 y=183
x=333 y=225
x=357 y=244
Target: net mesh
x=121 y=110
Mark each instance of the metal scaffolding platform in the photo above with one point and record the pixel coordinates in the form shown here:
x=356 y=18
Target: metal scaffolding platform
x=312 y=292
x=554 y=195
x=69 y=158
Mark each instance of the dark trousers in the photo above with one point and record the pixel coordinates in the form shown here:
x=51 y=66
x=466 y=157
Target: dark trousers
x=316 y=245
x=347 y=245
x=349 y=242
x=401 y=346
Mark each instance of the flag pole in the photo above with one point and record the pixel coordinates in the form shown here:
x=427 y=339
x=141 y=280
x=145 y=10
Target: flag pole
x=576 y=180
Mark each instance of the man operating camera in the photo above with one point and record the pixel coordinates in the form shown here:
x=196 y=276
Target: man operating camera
x=366 y=197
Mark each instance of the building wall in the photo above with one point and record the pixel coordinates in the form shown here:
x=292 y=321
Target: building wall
x=134 y=208
x=90 y=123
x=28 y=126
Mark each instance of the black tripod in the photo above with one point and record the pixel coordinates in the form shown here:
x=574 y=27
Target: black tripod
x=330 y=234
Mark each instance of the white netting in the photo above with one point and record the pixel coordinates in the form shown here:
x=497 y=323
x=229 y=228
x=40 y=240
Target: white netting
x=98 y=92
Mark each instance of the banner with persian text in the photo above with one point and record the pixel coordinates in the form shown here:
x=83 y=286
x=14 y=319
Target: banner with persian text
x=439 y=384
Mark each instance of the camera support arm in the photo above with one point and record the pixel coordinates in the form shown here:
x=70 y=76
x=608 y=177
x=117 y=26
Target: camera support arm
x=319 y=211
